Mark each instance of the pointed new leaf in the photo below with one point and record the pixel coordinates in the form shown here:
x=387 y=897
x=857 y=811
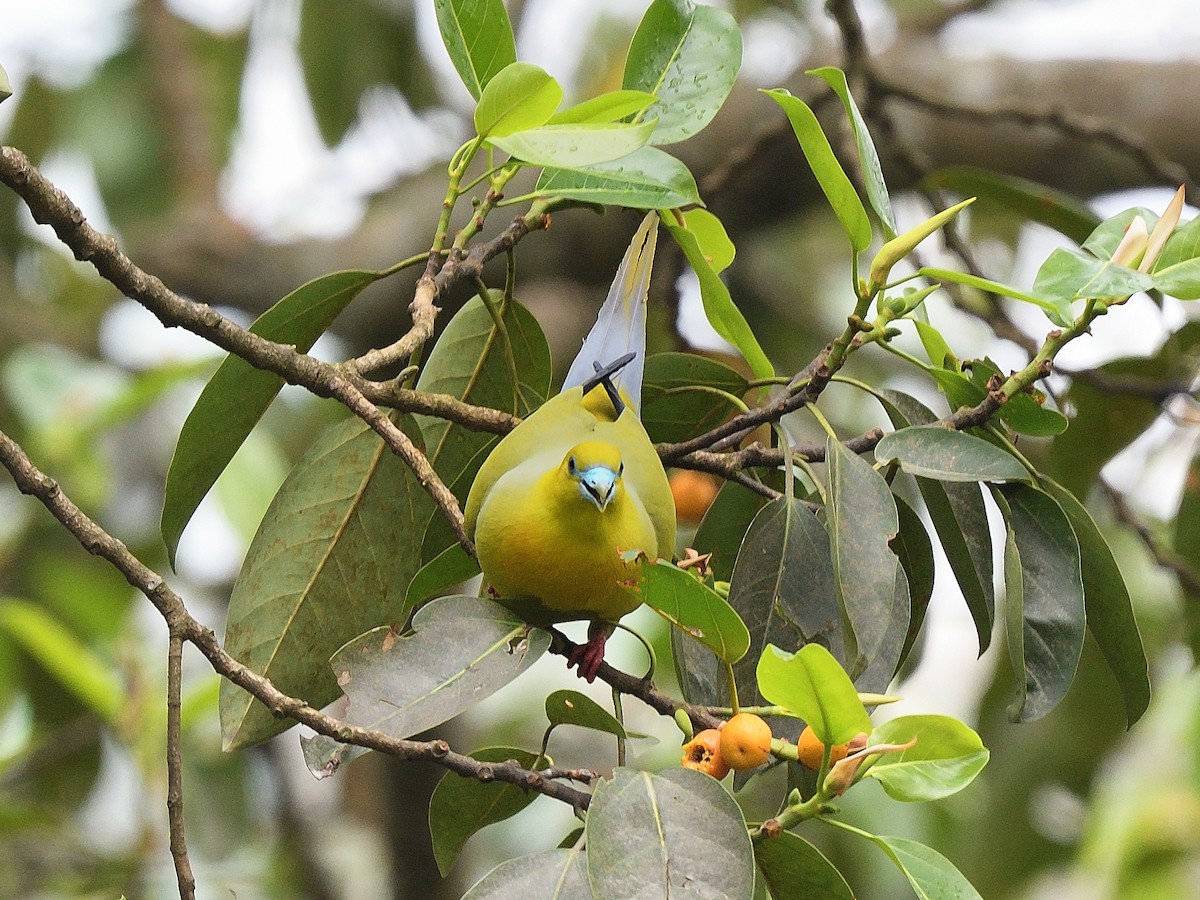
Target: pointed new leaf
x=642 y=839
x=694 y=607
x=460 y=806
x=1109 y=610
x=812 y=684
x=796 y=870
x=645 y=179
x=828 y=171
x=328 y=562
x=238 y=394
x=574 y=146
x=783 y=587
x=521 y=96
x=868 y=158
x=861 y=519
x=948 y=455
x=479 y=38
x=546 y=875
x=724 y=316
x=1044 y=609
x=688 y=57
x=461 y=650
x=960 y=520
x=945 y=759
x=574 y=708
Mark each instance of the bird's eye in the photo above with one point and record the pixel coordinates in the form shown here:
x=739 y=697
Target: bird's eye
x=571 y=465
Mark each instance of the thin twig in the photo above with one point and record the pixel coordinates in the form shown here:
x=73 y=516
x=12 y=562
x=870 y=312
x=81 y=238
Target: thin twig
x=175 y=820
x=1165 y=557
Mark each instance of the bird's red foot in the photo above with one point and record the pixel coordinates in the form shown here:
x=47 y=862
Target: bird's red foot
x=589 y=656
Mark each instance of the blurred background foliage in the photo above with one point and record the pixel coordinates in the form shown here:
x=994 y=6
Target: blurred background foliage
x=238 y=148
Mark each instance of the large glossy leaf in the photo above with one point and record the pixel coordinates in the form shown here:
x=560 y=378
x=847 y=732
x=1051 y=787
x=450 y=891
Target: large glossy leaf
x=796 y=870
x=238 y=394
x=861 y=519
x=684 y=395
x=813 y=684
x=960 y=520
x=330 y=560
x=460 y=806
x=547 y=875
x=1109 y=609
x=1036 y=202
x=645 y=179
x=783 y=587
x=868 y=158
x=688 y=56
x=1106 y=237
x=1044 y=606
x=945 y=759
x=724 y=316
x=575 y=146
x=643 y=840
x=839 y=191
x=1026 y=412
x=915 y=552
x=479 y=38
x=1106 y=421
x=460 y=651
x=520 y=96
x=574 y=708
x=947 y=455
x=693 y=607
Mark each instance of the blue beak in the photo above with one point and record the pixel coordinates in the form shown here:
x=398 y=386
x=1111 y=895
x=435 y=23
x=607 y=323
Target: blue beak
x=598 y=485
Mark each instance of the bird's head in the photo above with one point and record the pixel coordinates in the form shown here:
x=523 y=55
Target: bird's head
x=596 y=468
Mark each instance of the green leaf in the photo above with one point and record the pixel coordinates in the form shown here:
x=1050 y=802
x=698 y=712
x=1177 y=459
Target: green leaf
x=574 y=146
x=1181 y=280
x=947 y=455
x=684 y=395
x=1108 y=607
x=915 y=551
x=931 y=875
x=329 y=561
x=960 y=520
x=1044 y=605
x=460 y=651
x=1106 y=237
x=868 y=158
x=645 y=179
x=521 y=96
x=783 y=587
x=608 y=107
x=1186 y=543
x=724 y=316
x=643 y=839
x=710 y=234
x=546 y=875
x=450 y=567
x=574 y=708
x=1058 y=309
x=1031 y=201
x=1024 y=413
x=694 y=607
x=238 y=394
x=479 y=38
x=461 y=806
x=861 y=520
x=813 y=684
x=687 y=56
x=899 y=247
x=945 y=759
x=5 y=85
x=1069 y=275
x=796 y=870
x=725 y=524
x=1182 y=246
x=828 y=171
x=94 y=683
x=935 y=345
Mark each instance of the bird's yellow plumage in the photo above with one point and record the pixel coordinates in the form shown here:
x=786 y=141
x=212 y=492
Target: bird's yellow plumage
x=542 y=535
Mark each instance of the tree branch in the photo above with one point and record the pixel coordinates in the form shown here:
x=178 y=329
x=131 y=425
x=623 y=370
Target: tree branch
x=175 y=820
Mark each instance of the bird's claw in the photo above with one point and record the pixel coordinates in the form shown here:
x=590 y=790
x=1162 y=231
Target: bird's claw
x=589 y=656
